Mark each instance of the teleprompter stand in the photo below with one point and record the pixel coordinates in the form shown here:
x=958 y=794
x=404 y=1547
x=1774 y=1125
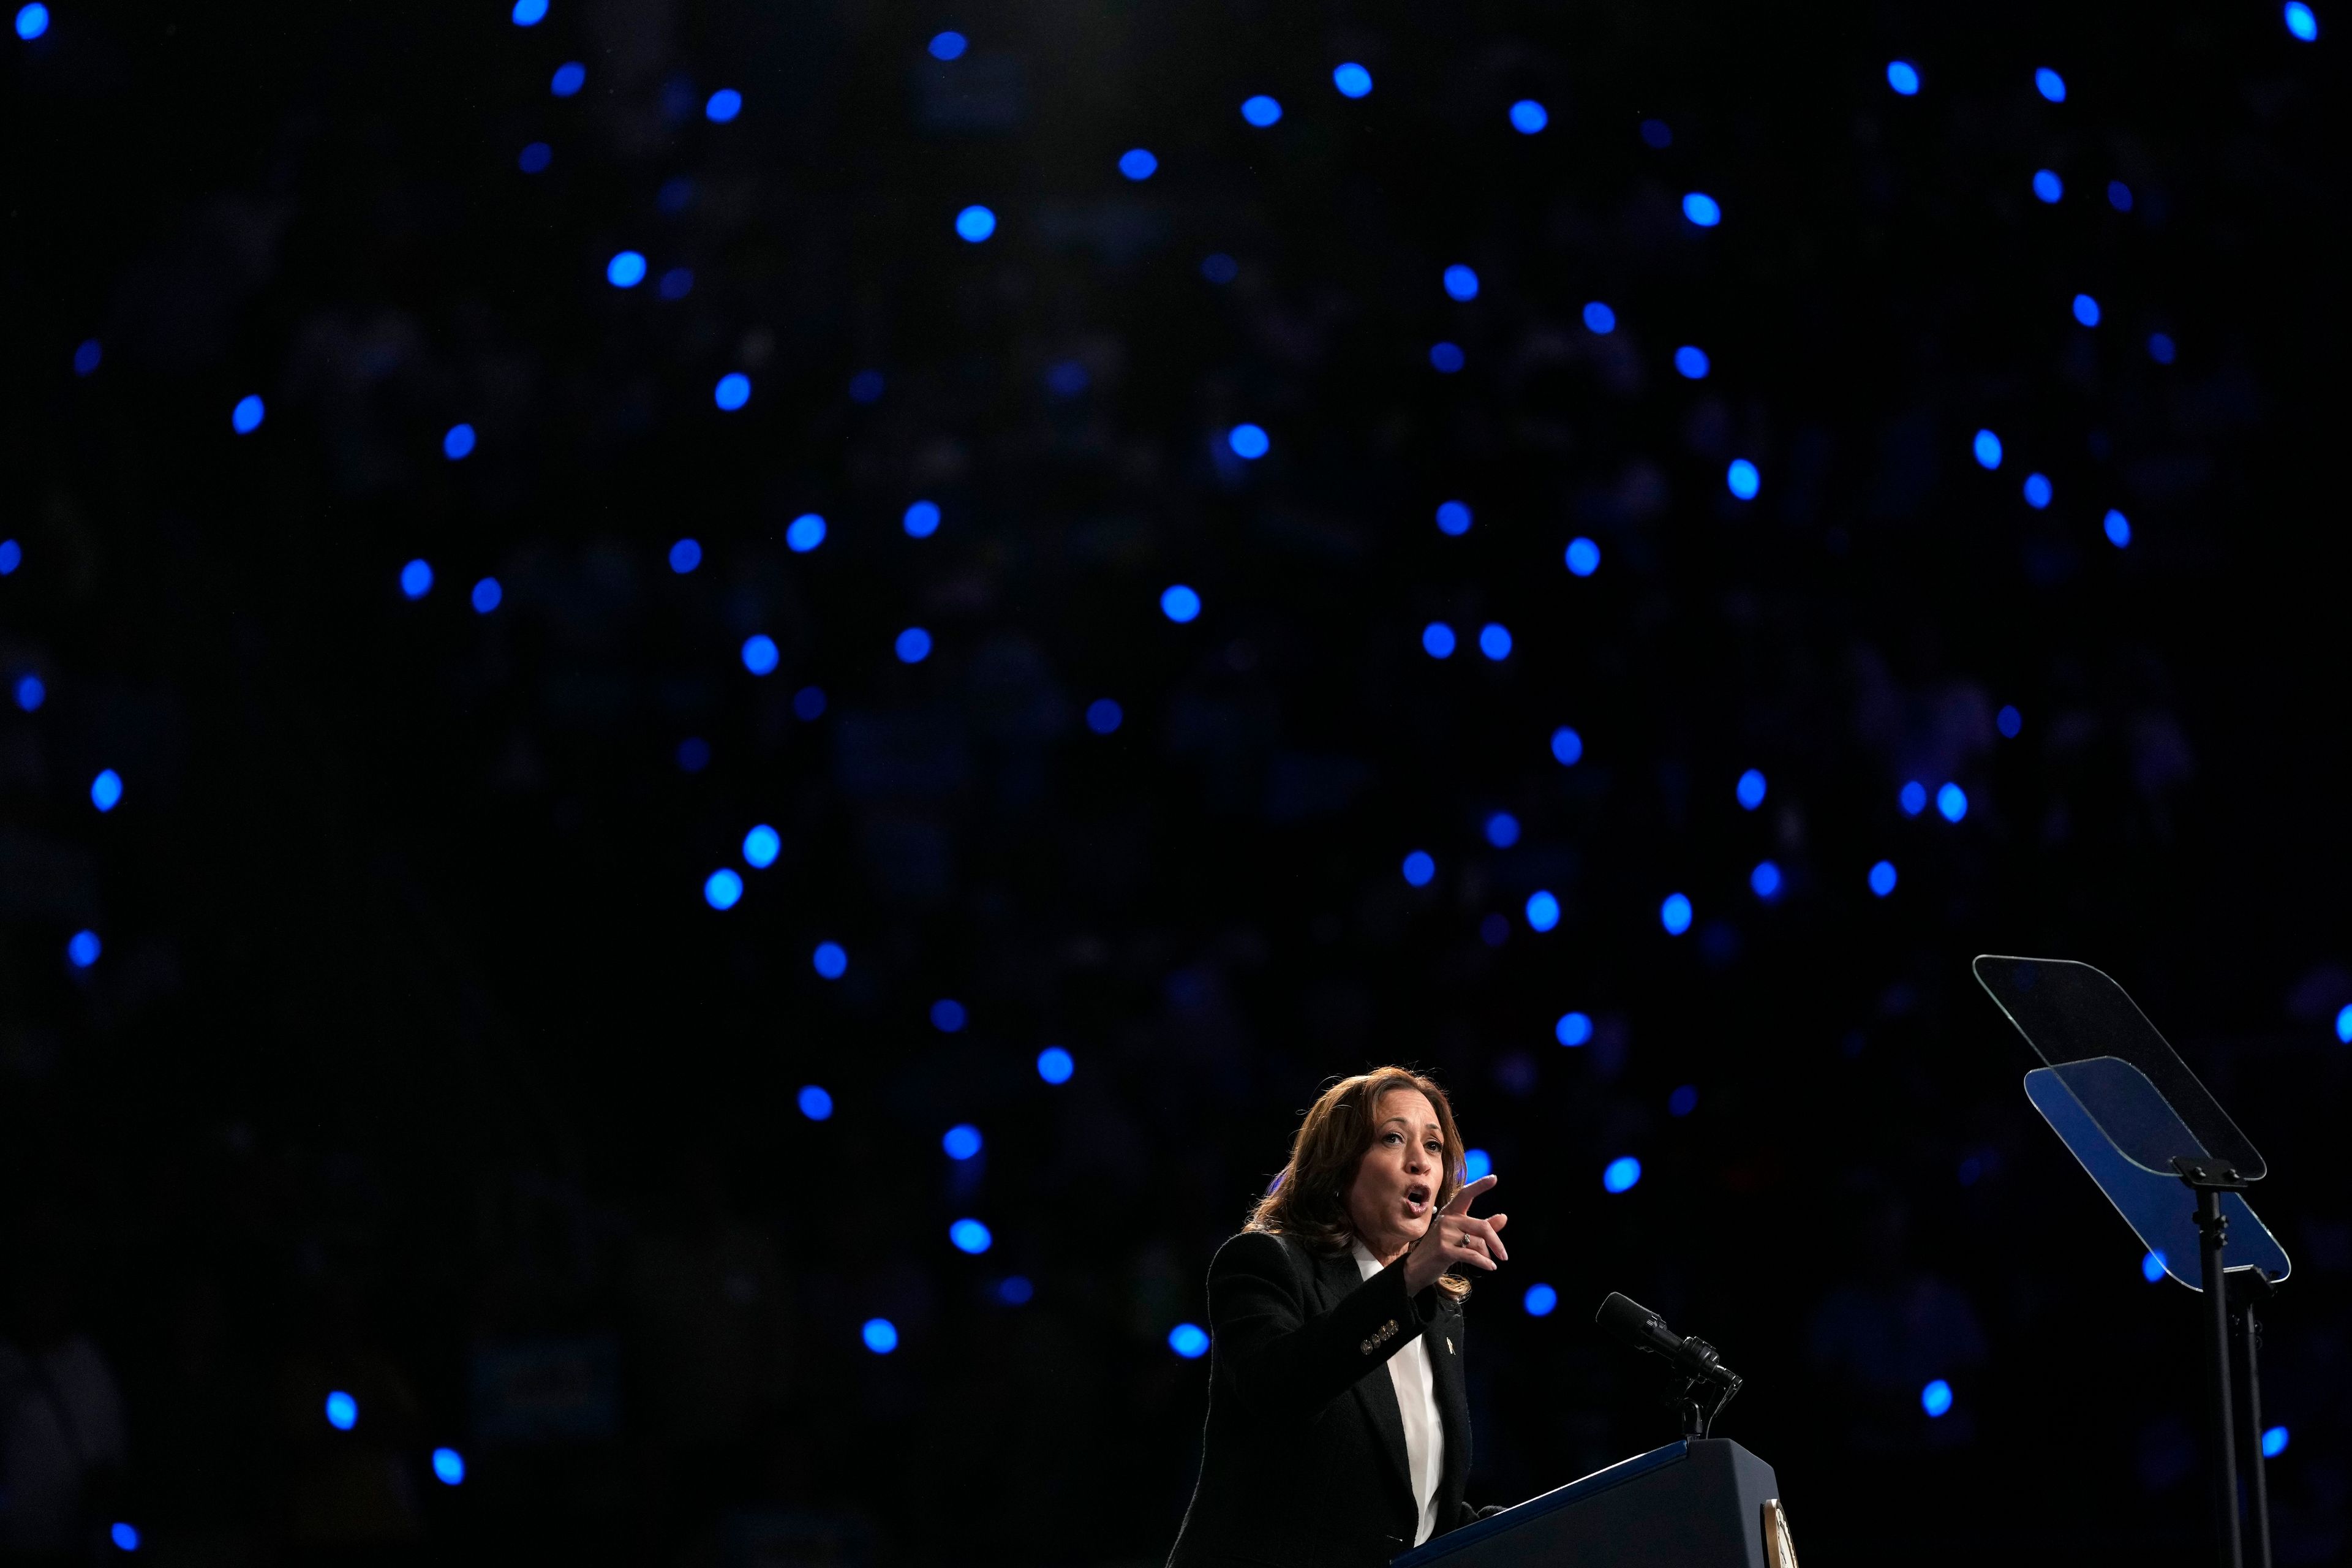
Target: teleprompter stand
x=2175 y=1167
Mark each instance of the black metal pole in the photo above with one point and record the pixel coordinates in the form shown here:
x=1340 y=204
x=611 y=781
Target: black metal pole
x=2255 y=1286
x=2213 y=1233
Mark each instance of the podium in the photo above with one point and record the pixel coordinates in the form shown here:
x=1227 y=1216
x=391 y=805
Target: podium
x=1700 y=1503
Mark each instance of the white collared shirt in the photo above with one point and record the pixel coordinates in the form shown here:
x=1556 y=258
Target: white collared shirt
x=1424 y=1430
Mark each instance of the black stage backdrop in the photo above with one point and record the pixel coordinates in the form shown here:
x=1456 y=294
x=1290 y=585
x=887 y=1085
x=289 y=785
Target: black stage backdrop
x=416 y=1063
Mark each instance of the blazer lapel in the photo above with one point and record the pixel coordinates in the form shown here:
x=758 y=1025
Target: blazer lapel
x=1376 y=1390
x=1446 y=1343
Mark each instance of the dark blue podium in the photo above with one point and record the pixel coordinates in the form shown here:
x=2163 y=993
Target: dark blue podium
x=1696 y=1504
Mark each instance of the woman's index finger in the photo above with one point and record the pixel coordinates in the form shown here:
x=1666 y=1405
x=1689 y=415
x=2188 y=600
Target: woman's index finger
x=1469 y=1195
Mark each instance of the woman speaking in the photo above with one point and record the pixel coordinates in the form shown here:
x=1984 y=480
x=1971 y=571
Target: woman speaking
x=1338 y=1432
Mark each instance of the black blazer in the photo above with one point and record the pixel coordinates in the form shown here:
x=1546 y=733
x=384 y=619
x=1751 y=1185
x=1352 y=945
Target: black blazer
x=1303 y=1463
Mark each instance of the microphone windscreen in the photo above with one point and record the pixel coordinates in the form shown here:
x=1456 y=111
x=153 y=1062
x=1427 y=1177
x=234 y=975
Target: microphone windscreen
x=1637 y=1325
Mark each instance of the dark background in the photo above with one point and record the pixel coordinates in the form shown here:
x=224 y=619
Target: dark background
x=416 y=1065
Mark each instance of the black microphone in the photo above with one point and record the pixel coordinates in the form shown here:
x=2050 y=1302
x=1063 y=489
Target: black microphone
x=1644 y=1330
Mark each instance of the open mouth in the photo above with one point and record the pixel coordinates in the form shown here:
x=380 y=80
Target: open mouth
x=1416 y=1200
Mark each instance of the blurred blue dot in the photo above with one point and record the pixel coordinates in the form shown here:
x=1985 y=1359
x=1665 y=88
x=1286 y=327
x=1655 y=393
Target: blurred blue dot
x=2160 y=348
x=2047 y=186
x=1573 y=1029
x=457 y=442
x=626 y=271
x=448 y=1466
x=1461 y=282
x=1952 y=802
x=733 y=391
x=529 y=13
x=416 y=579
x=1702 y=209
x=814 y=1102
x=1912 y=798
x=1502 y=830
x=723 y=106
x=1540 y=1301
x=1765 y=881
x=1567 y=746
x=830 y=959
x=948 y=1015
x=867 y=386
x=1189 y=1339
x=1657 y=133
x=2117 y=527
x=2119 y=195
x=761 y=846
x=2008 y=721
x=1750 y=789
x=1104 y=715
x=685 y=556
x=106 y=790
x=1015 y=1290
x=1180 y=603
x=1987 y=447
x=723 y=888
x=1903 y=77
x=1584 y=557
x=1527 y=116
x=1477 y=1165
x=913 y=645
x=31 y=694
x=1599 y=318
x=1683 y=1102
x=1261 y=110
x=971 y=1237
x=247 y=417
x=880 y=1334
x=1452 y=518
x=82 y=949
x=1691 y=363
x=1437 y=640
x=32 y=21
x=1055 y=1064
x=88 y=355
x=1494 y=641
x=804 y=533
x=1352 y=80
x=975 y=223
x=1249 y=441
x=808 y=704
x=1420 y=866
x=2037 y=492
x=488 y=596
x=2086 y=310
x=2151 y=1267
x=2050 y=85
x=1882 y=878
x=1542 y=910
x=535 y=157
x=1936 y=1397
x=1066 y=378
x=961 y=1142
x=759 y=655
x=676 y=283
x=569 y=78
x=1446 y=358
x=922 y=520
x=1621 y=1175
x=1218 y=268
x=2274 y=1438
x=948 y=45
x=124 y=1536
x=1138 y=164
x=2344 y=1025
x=1742 y=479
x=2303 y=24
x=693 y=755
x=1675 y=914
x=343 y=1411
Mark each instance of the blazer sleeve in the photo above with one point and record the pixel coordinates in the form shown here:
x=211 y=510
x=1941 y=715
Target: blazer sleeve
x=1281 y=1357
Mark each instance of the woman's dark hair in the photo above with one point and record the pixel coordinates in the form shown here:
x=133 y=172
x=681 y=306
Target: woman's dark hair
x=1309 y=1202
